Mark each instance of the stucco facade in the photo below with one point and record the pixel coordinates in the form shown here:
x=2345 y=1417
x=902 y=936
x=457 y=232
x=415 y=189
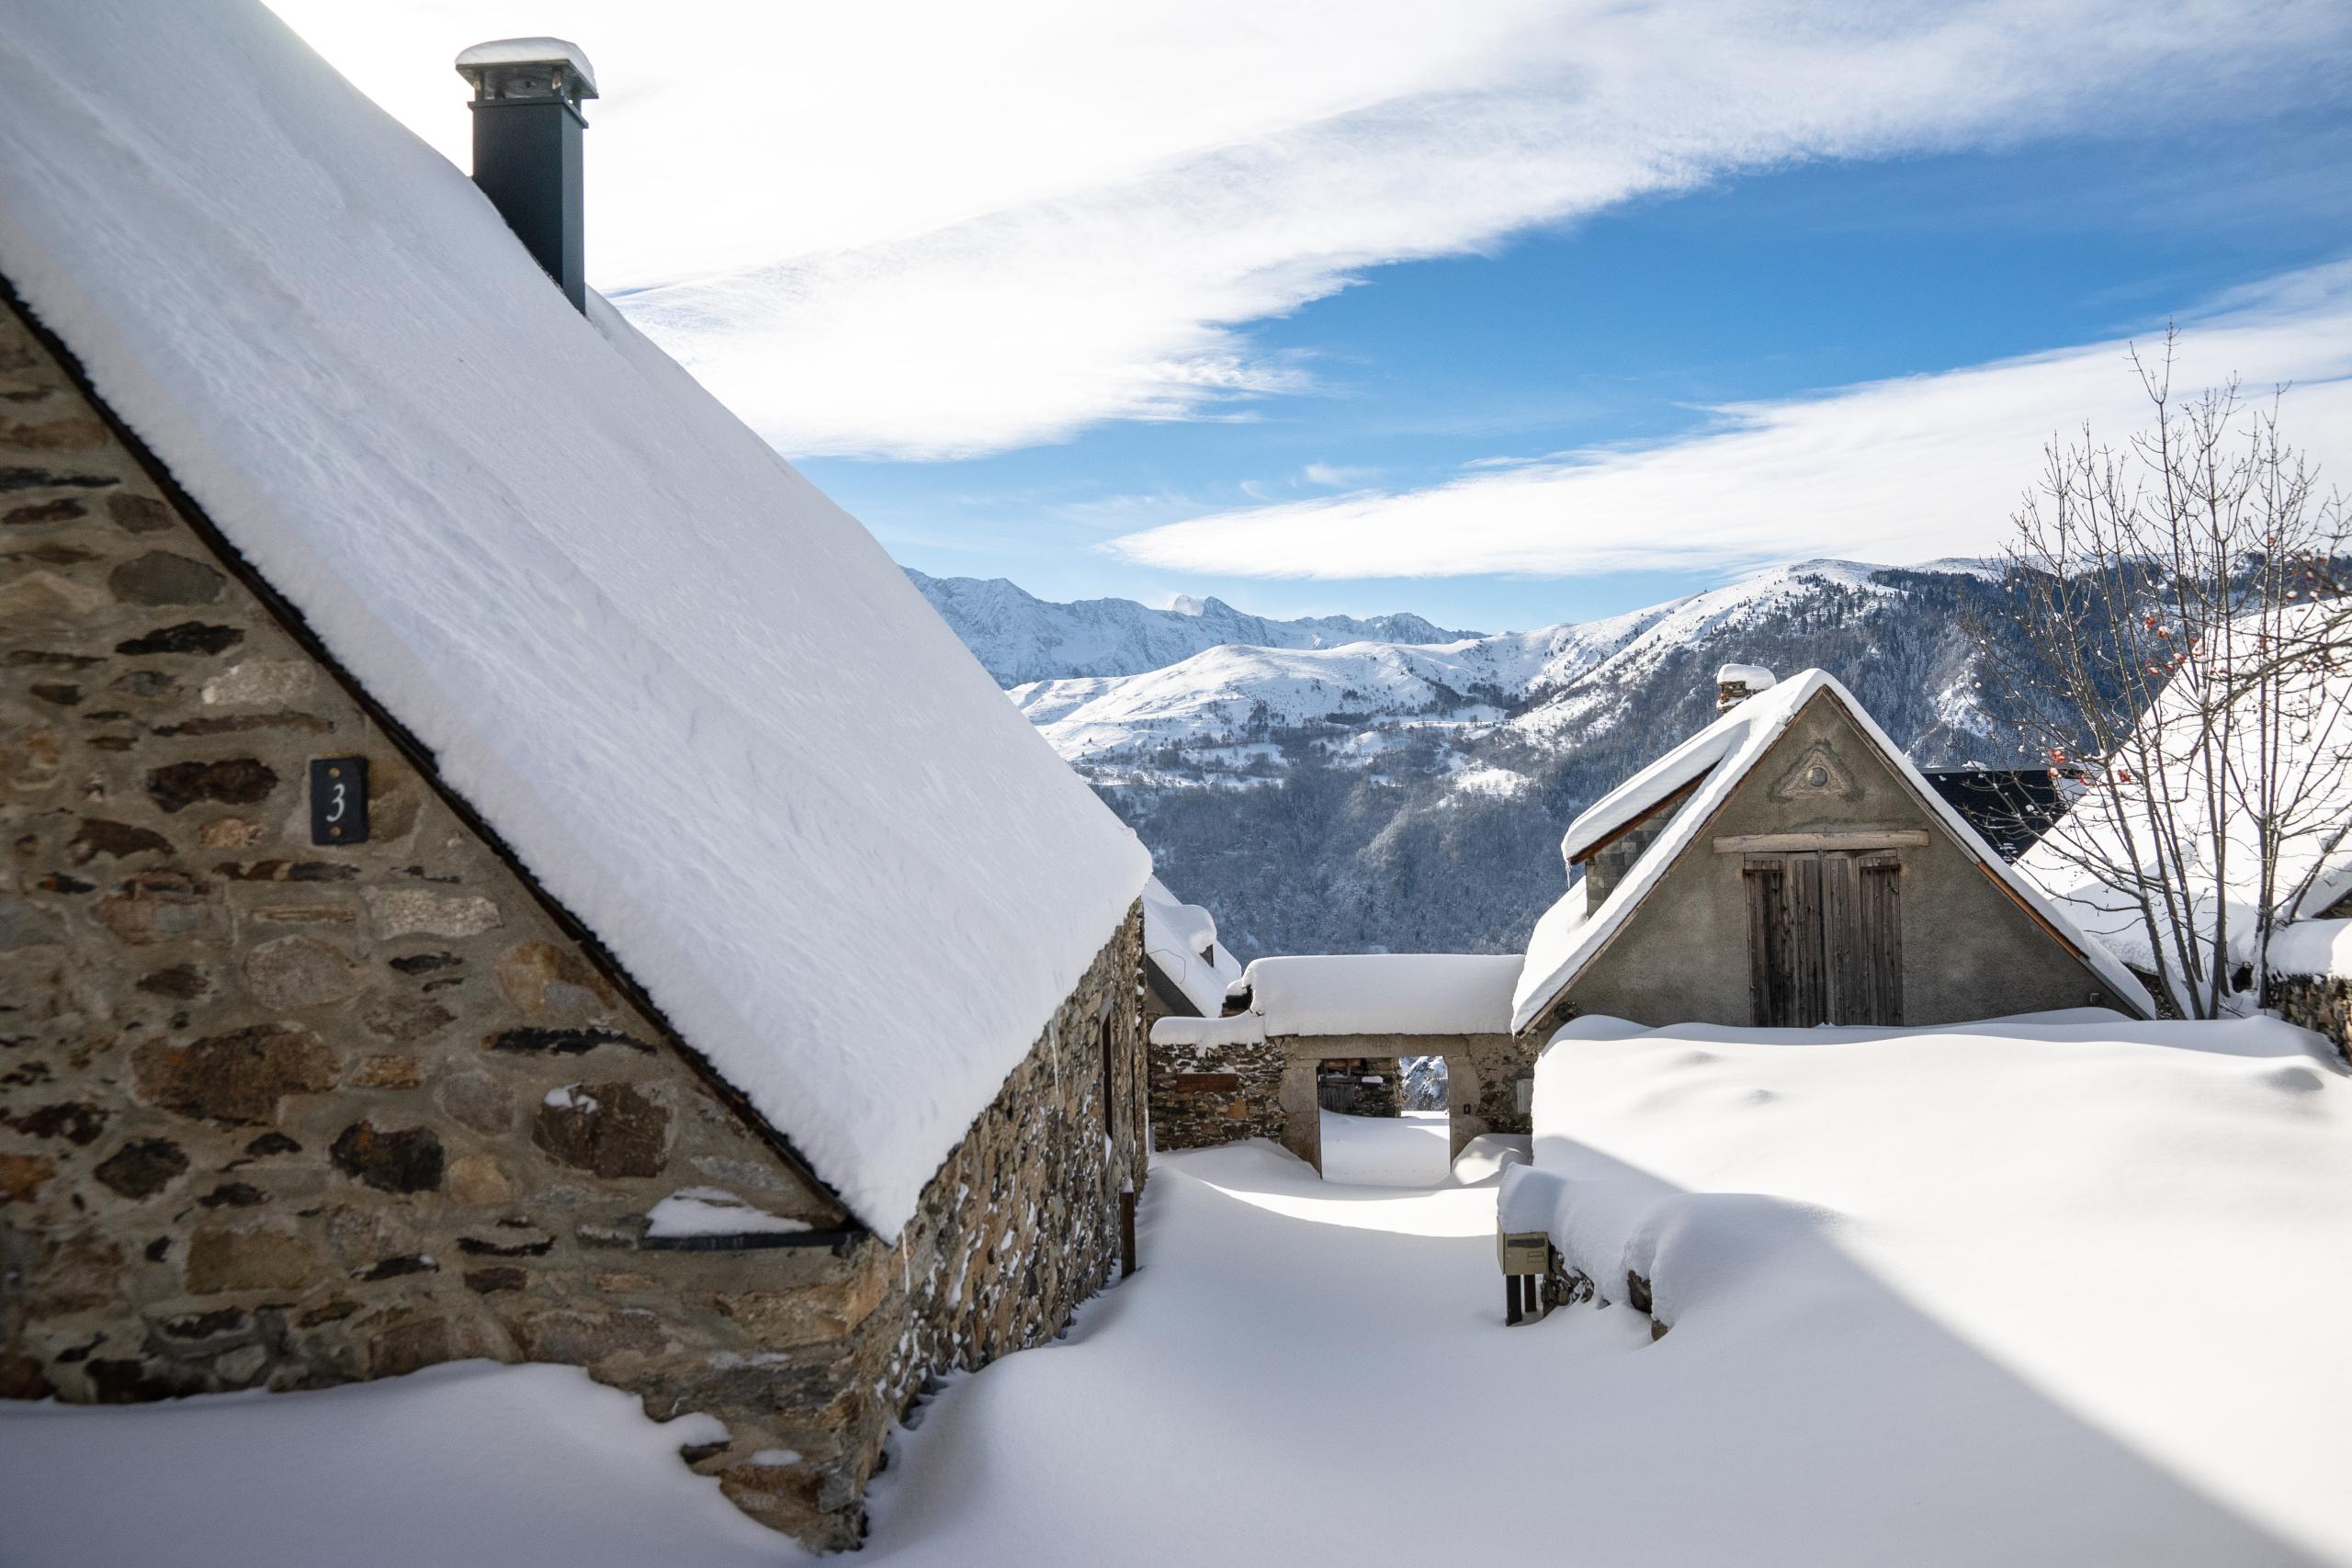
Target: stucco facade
x=1970 y=948
x=277 y=1113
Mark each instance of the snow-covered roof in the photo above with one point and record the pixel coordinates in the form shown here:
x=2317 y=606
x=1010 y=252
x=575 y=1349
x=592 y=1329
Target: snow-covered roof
x=2306 y=753
x=1569 y=935
x=1692 y=760
x=700 y=703
x=1382 y=993
x=1175 y=935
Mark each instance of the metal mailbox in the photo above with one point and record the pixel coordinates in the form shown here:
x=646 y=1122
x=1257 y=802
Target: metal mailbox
x=1523 y=1252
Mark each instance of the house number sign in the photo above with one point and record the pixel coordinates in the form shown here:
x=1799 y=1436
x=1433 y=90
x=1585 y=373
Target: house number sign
x=339 y=800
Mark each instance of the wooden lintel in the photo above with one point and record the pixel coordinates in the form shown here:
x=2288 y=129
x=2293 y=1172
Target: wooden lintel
x=1791 y=843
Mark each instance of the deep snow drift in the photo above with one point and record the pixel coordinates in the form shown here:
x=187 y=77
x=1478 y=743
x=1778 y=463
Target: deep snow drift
x=2023 y=1232
x=2055 y=1294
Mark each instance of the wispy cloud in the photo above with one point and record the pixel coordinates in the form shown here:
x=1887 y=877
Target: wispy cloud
x=1900 y=470
x=941 y=230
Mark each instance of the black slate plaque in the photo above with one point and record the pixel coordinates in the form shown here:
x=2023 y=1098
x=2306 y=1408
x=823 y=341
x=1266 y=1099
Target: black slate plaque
x=339 y=800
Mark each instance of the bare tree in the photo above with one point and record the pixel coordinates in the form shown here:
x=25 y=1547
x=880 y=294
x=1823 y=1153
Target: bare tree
x=2177 y=656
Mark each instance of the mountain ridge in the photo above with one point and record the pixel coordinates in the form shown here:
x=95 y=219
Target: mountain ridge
x=1020 y=637
x=1411 y=796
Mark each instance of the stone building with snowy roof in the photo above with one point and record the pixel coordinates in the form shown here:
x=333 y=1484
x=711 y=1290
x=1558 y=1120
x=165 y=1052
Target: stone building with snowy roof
x=500 y=865
x=1788 y=866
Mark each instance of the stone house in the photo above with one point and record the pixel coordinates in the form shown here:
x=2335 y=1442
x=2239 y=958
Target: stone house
x=1788 y=866
x=498 y=865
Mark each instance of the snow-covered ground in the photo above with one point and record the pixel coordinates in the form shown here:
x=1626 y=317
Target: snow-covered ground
x=465 y=1466
x=1385 y=1150
x=2056 y=1293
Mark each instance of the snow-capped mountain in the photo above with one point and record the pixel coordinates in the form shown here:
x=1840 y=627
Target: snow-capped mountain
x=1018 y=637
x=1425 y=784
x=1560 y=685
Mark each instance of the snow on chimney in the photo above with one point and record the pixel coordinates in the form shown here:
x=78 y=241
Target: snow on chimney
x=527 y=93
x=1735 y=683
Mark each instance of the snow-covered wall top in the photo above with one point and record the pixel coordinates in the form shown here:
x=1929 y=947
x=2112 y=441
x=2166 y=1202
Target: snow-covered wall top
x=1382 y=993
x=697 y=699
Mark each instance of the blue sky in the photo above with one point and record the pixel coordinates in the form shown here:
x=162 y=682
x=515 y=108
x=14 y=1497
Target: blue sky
x=1625 y=327
x=1505 y=312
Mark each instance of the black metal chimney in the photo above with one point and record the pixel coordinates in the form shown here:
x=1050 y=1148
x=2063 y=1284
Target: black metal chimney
x=527 y=93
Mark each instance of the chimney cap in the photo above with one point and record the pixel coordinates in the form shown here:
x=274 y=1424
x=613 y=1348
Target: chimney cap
x=1735 y=683
x=477 y=63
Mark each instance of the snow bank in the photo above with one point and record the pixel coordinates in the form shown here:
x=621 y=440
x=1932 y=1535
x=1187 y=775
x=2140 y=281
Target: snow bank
x=1176 y=934
x=1382 y=993
x=696 y=698
x=2107 y=1208
x=1569 y=935
x=460 y=1463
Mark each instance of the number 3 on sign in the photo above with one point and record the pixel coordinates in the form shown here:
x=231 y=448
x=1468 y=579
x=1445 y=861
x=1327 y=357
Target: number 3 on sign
x=339 y=800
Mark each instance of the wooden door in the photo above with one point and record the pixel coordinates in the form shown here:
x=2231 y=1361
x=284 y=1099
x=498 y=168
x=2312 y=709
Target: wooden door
x=1824 y=932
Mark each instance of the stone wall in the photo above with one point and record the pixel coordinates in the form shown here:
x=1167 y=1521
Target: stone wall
x=1489 y=1085
x=283 y=1115
x=1206 y=1095
x=2321 y=1003
x=1224 y=1090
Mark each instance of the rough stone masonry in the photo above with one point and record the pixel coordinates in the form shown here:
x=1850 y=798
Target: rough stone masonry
x=277 y=1115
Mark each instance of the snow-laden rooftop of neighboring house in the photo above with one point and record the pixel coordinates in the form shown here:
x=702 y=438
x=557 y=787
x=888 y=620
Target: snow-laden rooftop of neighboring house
x=1956 y=1227
x=695 y=696
x=1175 y=935
x=1569 y=935
x=1382 y=993
x=2306 y=748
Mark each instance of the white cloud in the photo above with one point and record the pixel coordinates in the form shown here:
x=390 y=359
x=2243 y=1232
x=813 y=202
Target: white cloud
x=937 y=231
x=1896 y=471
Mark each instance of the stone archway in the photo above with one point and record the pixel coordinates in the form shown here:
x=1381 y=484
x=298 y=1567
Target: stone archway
x=1487 y=1077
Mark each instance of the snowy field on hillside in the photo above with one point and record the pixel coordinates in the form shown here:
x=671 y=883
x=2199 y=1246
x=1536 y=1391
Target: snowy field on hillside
x=2053 y=1292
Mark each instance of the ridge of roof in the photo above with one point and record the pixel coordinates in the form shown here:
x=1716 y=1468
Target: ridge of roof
x=1568 y=937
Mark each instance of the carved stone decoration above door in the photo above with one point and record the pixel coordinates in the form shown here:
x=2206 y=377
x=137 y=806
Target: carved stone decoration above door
x=1817 y=773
